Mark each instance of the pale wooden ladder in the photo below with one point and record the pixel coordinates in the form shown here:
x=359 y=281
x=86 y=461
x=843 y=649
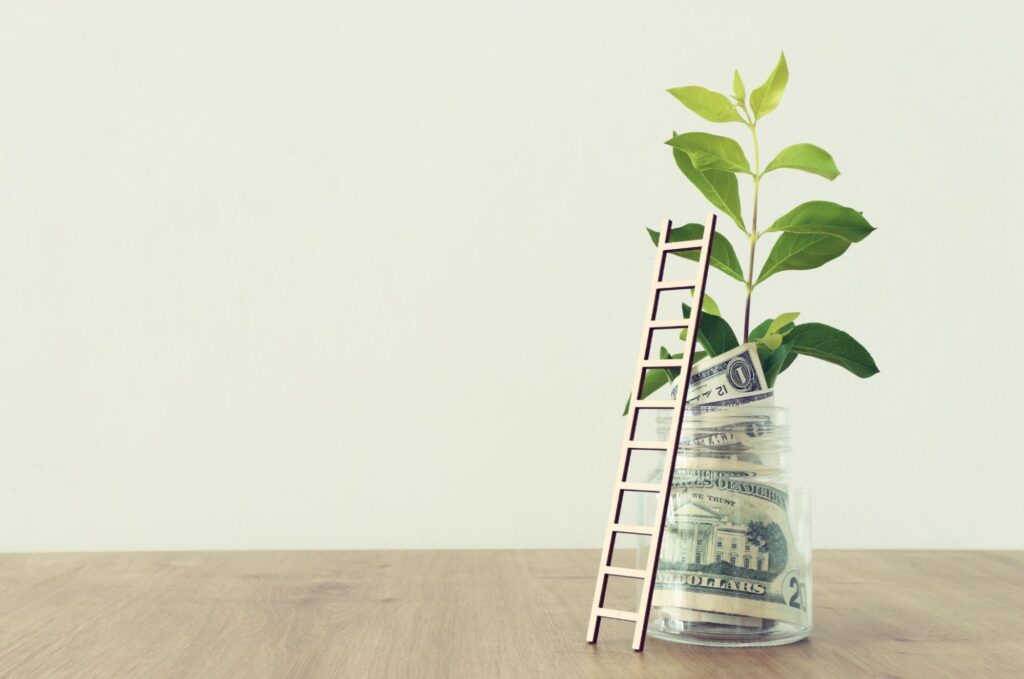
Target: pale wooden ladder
x=670 y=446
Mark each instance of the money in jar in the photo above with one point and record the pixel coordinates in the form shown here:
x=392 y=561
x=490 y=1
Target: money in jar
x=735 y=561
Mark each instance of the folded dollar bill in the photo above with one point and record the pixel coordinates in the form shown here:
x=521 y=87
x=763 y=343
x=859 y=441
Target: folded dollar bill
x=727 y=376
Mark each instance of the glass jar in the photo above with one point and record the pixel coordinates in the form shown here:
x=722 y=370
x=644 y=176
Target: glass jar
x=735 y=561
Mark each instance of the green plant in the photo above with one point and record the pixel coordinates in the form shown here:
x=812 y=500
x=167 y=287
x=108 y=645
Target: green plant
x=809 y=235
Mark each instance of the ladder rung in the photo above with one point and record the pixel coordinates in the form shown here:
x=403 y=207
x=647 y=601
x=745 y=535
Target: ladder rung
x=666 y=362
x=634 y=530
x=625 y=572
x=675 y=285
x=669 y=325
x=649 y=403
x=640 y=487
x=618 y=615
x=647 y=445
x=684 y=245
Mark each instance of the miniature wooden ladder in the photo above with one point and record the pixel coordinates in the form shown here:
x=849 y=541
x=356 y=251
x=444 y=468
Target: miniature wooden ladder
x=670 y=446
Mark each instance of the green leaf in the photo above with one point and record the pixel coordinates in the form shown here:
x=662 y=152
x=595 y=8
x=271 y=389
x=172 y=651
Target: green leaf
x=655 y=379
x=832 y=345
x=711 y=151
x=772 y=341
x=814 y=233
x=719 y=187
x=766 y=98
x=710 y=306
x=799 y=251
x=698 y=356
x=713 y=333
x=739 y=92
x=781 y=321
x=652 y=381
x=806 y=157
x=773 y=363
x=788 y=362
x=824 y=217
x=760 y=330
x=723 y=256
x=706 y=103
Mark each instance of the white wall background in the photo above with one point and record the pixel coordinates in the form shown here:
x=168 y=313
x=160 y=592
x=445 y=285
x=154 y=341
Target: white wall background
x=307 y=275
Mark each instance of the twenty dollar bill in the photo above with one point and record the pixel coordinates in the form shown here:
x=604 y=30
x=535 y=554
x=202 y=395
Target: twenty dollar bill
x=728 y=546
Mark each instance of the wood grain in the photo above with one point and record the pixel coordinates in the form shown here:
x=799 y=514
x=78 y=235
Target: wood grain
x=476 y=614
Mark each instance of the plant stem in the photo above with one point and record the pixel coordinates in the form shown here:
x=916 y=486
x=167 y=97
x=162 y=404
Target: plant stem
x=753 y=234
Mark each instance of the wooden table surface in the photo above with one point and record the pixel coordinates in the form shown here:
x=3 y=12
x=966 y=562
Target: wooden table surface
x=409 y=614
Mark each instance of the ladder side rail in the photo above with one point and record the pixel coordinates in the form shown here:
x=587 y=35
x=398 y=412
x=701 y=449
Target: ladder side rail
x=675 y=434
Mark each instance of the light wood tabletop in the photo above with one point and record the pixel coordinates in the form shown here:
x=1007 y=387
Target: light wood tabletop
x=409 y=614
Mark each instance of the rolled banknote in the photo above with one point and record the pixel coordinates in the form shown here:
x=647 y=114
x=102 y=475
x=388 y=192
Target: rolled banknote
x=718 y=431
x=728 y=547
x=723 y=431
